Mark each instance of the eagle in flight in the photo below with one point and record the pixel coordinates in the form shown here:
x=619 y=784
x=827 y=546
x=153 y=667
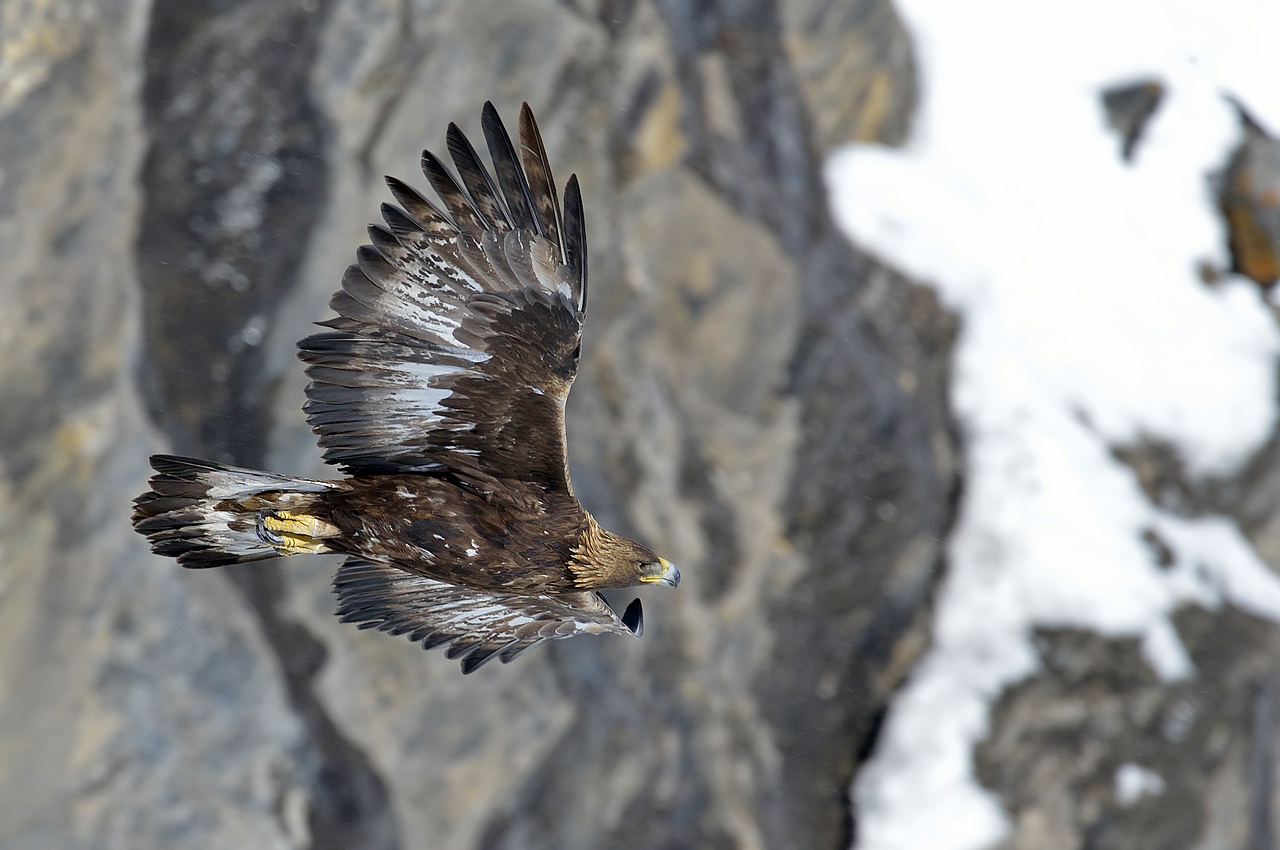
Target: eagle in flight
x=439 y=390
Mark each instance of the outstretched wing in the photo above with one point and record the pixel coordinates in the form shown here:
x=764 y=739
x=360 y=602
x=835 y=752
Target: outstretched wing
x=477 y=625
x=458 y=330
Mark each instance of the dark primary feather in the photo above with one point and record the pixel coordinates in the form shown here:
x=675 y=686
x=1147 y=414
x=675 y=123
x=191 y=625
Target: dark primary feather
x=456 y=203
x=542 y=187
x=510 y=175
x=423 y=211
x=575 y=242
x=476 y=179
x=475 y=625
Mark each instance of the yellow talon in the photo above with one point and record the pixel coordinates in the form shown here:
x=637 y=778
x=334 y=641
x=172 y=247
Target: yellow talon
x=297 y=534
x=300 y=525
x=292 y=545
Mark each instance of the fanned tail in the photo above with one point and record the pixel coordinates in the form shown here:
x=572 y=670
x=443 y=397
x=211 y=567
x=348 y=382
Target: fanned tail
x=206 y=514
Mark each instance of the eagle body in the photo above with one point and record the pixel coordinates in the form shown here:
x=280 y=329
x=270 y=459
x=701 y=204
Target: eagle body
x=433 y=527
x=439 y=389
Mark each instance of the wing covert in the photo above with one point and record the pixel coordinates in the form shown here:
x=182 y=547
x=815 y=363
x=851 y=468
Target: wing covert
x=457 y=333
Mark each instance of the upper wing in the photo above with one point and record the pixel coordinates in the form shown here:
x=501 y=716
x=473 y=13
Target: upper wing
x=457 y=336
x=476 y=624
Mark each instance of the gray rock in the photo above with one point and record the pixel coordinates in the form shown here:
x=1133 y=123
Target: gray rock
x=139 y=706
x=1249 y=195
x=1130 y=107
x=1063 y=742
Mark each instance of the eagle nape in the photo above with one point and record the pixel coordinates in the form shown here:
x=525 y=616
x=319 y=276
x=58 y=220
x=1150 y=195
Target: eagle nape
x=439 y=391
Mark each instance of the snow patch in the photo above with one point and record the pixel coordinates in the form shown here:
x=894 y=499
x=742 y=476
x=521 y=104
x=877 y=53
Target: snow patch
x=1133 y=782
x=1084 y=326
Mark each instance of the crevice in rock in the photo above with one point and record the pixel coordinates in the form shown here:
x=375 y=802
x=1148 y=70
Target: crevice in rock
x=349 y=805
x=234 y=173
x=717 y=519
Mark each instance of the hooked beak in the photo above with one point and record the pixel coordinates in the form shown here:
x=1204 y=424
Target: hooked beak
x=669 y=575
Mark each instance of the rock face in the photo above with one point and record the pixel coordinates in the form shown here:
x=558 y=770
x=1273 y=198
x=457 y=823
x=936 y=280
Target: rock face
x=140 y=706
x=1249 y=195
x=757 y=400
x=183 y=185
x=1203 y=749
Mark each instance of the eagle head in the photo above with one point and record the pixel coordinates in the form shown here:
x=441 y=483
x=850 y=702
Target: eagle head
x=603 y=559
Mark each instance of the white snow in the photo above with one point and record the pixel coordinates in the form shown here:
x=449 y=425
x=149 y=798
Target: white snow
x=1084 y=326
x=1133 y=782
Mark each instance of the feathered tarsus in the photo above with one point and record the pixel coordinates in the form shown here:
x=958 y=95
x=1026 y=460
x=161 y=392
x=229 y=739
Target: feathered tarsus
x=439 y=390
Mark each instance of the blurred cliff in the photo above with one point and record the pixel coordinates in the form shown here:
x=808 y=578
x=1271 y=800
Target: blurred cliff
x=181 y=186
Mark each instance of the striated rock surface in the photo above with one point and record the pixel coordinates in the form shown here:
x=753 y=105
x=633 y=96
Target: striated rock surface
x=139 y=707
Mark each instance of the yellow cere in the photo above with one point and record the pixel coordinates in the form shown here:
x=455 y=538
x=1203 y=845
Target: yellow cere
x=665 y=577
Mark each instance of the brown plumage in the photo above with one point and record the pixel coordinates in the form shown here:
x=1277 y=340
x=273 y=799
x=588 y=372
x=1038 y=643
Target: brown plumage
x=440 y=391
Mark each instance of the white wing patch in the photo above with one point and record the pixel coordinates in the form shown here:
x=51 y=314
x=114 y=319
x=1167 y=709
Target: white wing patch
x=374 y=396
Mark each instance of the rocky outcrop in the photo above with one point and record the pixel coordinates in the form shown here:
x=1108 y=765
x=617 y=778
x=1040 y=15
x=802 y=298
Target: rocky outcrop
x=1249 y=196
x=183 y=185
x=139 y=706
x=1097 y=752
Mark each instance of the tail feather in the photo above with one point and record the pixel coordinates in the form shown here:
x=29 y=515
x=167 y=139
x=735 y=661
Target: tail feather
x=206 y=514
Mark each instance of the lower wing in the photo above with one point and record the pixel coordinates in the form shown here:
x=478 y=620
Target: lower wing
x=475 y=624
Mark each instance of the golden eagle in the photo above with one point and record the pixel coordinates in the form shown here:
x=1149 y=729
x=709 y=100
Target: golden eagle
x=440 y=391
